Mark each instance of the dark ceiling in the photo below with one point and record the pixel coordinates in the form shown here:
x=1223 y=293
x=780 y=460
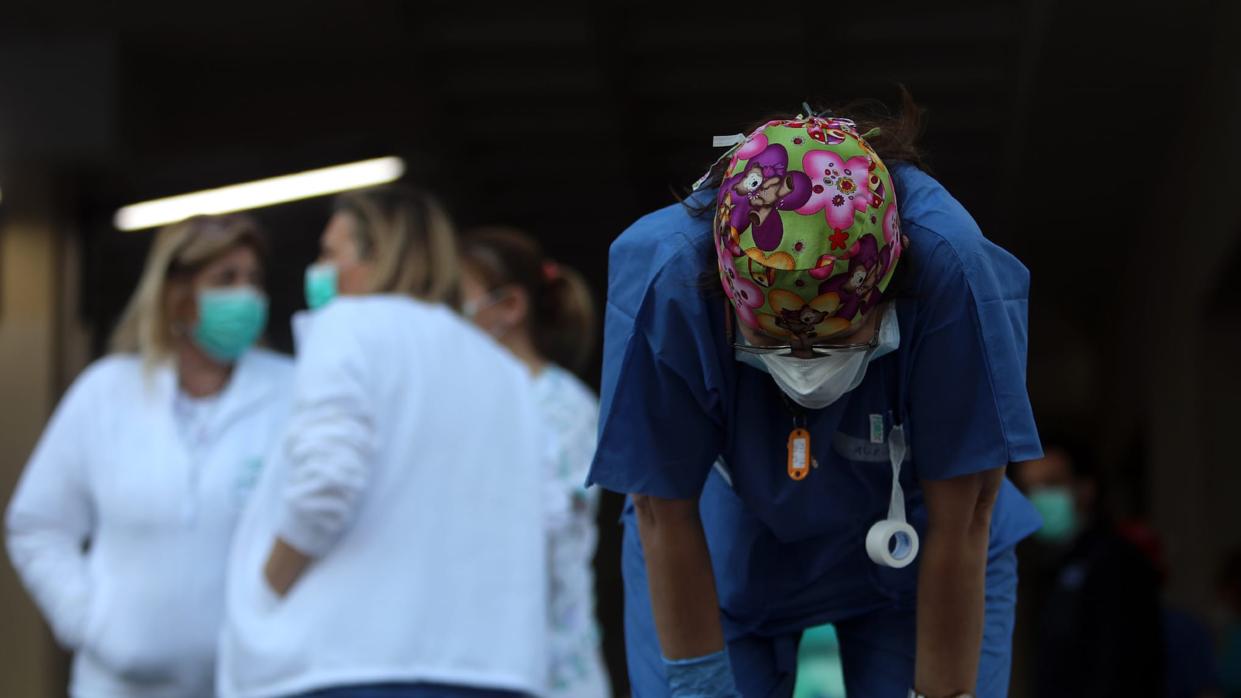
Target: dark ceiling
x=567 y=120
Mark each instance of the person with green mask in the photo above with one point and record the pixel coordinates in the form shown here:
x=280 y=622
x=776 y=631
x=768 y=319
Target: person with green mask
x=396 y=547
x=123 y=519
x=1094 y=612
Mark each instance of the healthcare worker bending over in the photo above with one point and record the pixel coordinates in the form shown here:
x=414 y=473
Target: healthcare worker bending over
x=147 y=462
x=828 y=444
x=396 y=547
x=543 y=313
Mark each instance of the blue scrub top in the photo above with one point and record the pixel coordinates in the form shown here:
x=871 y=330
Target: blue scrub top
x=674 y=400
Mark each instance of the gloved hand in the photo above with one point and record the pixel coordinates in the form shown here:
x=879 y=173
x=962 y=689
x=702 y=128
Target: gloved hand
x=701 y=677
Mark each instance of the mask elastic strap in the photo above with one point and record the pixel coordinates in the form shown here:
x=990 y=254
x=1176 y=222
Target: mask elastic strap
x=493 y=297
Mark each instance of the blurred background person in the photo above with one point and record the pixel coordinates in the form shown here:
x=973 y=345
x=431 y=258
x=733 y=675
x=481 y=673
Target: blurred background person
x=543 y=312
x=1229 y=590
x=396 y=546
x=1188 y=648
x=1094 y=595
x=121 y=525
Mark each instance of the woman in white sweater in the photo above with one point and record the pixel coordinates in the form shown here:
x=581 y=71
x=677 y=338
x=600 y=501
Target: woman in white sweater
x=121 y=524
x=544 y=314
x=395 y=548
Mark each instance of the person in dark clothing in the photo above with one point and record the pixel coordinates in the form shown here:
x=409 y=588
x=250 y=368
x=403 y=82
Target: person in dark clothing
x=1189 y=650
x=1229 y=590
x=1099 y=629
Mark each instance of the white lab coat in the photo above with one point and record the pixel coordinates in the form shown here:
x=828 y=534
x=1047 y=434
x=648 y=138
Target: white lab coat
x=411 y=473
x=140 y=608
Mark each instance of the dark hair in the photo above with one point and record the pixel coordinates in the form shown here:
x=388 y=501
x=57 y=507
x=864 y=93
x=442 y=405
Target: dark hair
x=1081 y=453
x=562 y=309
x=893 y=136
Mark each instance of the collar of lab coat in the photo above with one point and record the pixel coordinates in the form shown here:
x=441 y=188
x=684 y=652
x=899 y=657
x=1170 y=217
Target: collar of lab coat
x=249 y=384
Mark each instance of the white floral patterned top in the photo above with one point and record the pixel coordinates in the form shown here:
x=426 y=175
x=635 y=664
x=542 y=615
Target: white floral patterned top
x=570 y=412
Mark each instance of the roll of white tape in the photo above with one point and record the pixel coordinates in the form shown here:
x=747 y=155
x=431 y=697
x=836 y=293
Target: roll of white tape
x=892 y=543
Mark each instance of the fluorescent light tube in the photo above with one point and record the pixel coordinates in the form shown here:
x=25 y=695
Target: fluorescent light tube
x=259 y=193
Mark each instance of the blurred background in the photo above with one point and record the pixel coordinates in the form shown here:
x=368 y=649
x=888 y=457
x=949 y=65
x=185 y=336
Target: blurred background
x=1096 y=141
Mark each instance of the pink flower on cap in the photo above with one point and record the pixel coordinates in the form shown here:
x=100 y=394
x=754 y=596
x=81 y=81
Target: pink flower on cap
x=837 y=186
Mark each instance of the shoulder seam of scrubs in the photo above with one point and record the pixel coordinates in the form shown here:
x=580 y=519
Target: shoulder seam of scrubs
x=606 y=422
x=656 y=355
x=958 y=269
x=687 y=241
x=622 y=311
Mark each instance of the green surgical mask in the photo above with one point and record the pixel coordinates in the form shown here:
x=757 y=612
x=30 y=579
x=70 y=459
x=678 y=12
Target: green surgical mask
x=1056 y=506
x=230 y=321
x=320 y=285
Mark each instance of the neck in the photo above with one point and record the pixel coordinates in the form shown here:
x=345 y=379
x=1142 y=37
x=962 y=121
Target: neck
x=523 y=348
x=199 y=375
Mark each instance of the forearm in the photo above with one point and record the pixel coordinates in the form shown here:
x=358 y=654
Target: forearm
x=951 y=607
x=680 y=579
x=952 y=582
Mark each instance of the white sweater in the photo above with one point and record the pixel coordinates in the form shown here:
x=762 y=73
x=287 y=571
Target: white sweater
x=411 y=473
x=142 y=608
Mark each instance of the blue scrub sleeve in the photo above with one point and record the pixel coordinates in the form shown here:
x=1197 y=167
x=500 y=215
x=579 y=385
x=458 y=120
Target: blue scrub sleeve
x=967 y=402
x=656 y=437
x=660 y=398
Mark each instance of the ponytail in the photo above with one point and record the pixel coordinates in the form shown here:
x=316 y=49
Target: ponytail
x=562 y=308
x=567 y=332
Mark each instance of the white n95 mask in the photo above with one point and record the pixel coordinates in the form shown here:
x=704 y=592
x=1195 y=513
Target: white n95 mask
x=818 y=382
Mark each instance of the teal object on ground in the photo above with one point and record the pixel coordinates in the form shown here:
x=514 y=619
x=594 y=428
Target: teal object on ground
x=820 y=673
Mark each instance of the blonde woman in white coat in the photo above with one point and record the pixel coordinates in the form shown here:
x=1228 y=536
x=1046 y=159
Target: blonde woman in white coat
x=395 y=548
x=121 y=524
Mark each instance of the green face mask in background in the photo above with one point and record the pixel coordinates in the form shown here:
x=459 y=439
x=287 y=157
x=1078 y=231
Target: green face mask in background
x=1056 y=506
x=320 y=285
x=230 y=321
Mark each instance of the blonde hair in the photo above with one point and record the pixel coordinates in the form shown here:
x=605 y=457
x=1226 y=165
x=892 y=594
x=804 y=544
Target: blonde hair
x=410 y=239
x=180 y=250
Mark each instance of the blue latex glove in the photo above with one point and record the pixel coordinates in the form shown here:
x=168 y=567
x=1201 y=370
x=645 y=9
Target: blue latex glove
x=701 y=677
